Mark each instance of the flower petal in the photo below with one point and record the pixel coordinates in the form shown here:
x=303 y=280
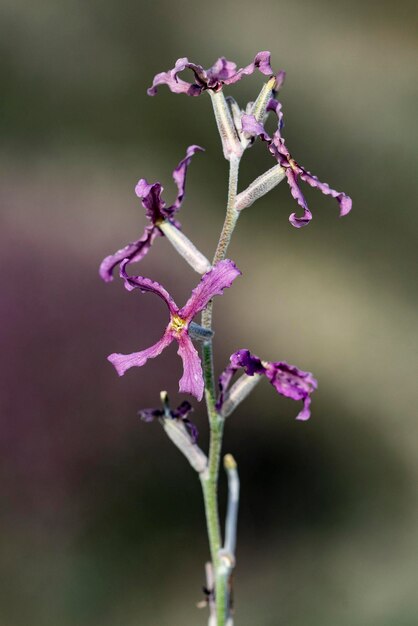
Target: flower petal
x=134 y=251
x=250 y=363
x=252 y=127
x=176 y=85
x=182 y=410
x=148 y=415
x=192 y=379
x=181 y=413
x=222 y=72
x=261 y=62
x=123 y=362
x=221 y=276
x=145 y=284
x=280 y=78
x=344 y=201
x=276 y=106
x=179 y=176
x=296 y=192
x=152 y=202
x=294 y=383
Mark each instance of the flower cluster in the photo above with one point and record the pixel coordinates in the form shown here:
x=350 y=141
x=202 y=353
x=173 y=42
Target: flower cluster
x=238 y=130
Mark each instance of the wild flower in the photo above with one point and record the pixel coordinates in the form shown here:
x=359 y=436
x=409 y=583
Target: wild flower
x=212 y=284
x=160 y=217
x=238 y=128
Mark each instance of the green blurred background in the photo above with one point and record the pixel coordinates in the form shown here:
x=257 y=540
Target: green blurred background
x=102 y=520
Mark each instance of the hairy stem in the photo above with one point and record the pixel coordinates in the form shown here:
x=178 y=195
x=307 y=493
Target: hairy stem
x=209 y=479
x=231 y=212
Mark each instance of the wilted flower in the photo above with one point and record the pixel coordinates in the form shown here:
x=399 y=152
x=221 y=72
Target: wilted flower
x=181 y=414
x=287 y=379
x=157 y=213
x=292 y=170
x=212 y=283
x=223 y=72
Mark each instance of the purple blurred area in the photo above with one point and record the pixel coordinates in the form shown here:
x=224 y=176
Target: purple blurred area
x=102 y=520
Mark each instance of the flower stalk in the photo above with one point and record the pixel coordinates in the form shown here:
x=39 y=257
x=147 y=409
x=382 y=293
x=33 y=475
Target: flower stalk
x=238 y=129
x=216 y=421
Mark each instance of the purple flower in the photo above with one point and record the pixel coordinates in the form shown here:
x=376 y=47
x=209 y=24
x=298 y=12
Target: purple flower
x=156 y=212
x=180 y=414
x=212 y=283
x=223 y=72
x=293 y=171
x=287 y=379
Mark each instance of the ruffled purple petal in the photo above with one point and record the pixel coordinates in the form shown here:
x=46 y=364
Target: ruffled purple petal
x=181 y=413
x=123 y=362
x=279 y=150
x=192 y=379
x=192 y=428
x=250 y=363
x=280 y=78
x=175 y=84
x=294 y=383
x=224 y=381
x=254 y=128
x=145 y=284
x=223 y=72
x=179 y=176
x=344 y=201
x=149 y=415
x=134 y=251
x=221 y=276
x=182 y=410
x=241 y=359
x=296 y=221
x=152 y=202
x=261 y=62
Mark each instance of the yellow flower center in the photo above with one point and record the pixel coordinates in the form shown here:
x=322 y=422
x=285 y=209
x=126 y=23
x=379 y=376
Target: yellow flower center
x=293 y=164
x=177 y=323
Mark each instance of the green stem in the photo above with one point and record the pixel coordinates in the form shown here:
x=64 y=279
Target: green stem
x=231 y=212
x=209 y=479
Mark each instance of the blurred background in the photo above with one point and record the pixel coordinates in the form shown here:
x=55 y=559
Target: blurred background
x=101 y=518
